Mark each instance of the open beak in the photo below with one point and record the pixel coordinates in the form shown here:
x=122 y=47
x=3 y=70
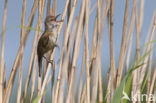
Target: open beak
x=57 y=17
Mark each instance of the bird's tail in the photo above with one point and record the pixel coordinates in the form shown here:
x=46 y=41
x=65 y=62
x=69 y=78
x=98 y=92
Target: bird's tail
x=40 y=66
x=39 y=73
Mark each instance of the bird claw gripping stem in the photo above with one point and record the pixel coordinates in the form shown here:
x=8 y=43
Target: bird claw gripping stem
x=49 y=61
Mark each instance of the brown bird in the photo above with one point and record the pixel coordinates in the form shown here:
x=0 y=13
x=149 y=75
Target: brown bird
x=48 y=39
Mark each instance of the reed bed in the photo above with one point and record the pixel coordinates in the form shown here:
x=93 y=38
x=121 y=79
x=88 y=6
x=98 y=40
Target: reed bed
x=87 y=86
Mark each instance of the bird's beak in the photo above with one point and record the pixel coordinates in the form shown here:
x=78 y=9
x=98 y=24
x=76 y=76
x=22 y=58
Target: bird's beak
x=57 y=17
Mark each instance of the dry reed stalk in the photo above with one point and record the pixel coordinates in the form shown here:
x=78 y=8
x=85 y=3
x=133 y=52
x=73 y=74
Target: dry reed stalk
x=139 y=20
x=87 y=6
x=70 y=61
x=21 y=53
x=42 y=6
x=100 y=86
x=99 y=13
x=98 y=58
x=30 y=21
x=105 y=8
x=147 y=40
x=4 y=77
x=9 y=94
x=143 y=69
x=98 y=49
x=95 y=73
x=40 y=18
x=110 y=88
x=33 y=78
x=112 y=58
x=63 y=50
x=44 y=84
x=16 y=62
x=144 y=51
x=98 y=54
x=66 y=62
x=48 y=67
x=31 y=60
x=54 y=7
x=49 y=7
x=122 y=56
x=32 y=55
x=83 y=95
x=30 y=64
x=137 y=36
x=94 y=43
x=63 y=17
x=151 y=55
x=81 y=79
x=10 y=91
x=152 y=83
x=51 y=76
x=129 y=52
x=63 y=78
x=110 y=91
x=109 y=77
x=63 y=75
x=2 y=51
x=76 y=50
x=93 y=57
x=93 y=50
x=130 y=33
x=19 y=90
x=149 y=69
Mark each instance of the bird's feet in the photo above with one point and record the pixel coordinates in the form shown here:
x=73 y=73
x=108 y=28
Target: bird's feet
x=49 y=61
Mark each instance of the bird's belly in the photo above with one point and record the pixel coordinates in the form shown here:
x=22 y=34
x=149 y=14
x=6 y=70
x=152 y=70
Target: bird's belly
x=51 y=42
x=52 y=38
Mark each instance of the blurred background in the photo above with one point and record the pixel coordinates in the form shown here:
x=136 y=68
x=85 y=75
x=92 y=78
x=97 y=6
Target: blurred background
x=12 y=33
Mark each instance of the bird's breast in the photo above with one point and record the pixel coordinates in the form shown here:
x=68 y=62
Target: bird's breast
x=52 y=38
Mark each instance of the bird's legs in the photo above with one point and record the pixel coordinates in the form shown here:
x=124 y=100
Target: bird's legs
x=49 y=61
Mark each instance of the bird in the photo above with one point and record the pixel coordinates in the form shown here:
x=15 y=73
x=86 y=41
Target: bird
x=48 y=40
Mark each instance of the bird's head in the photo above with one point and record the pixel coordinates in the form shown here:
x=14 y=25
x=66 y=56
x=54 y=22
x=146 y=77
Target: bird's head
x=51 y=23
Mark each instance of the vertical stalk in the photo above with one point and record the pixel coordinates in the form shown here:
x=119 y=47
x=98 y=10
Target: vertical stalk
x=87 y=2
x=76 y=50
x=122 y=56
x=33 y=78
x=21 y=53
x=31 y=57
x=16 y=62
x=2 y=51
x=49 y=7
x=112 y=61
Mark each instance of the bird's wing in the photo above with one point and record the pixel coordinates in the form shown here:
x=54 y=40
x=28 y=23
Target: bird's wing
x=45 y=40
